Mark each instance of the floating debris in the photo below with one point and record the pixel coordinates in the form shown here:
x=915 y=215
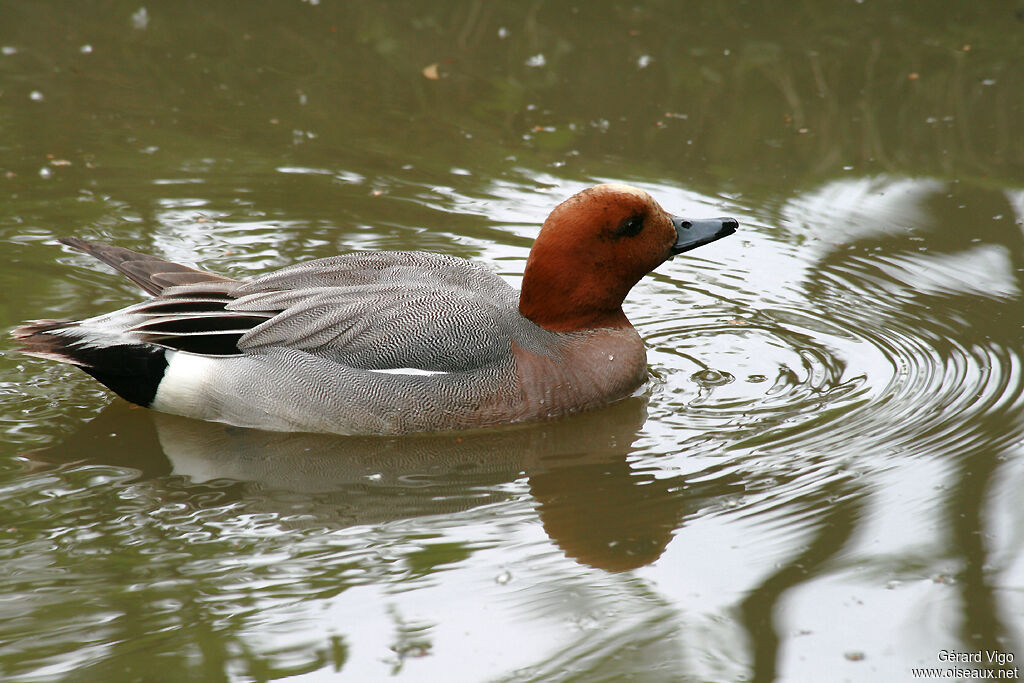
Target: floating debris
x=140 y=19
x=430 y=71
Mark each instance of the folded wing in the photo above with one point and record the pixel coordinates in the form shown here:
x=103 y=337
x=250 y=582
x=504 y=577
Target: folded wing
x=376 y=311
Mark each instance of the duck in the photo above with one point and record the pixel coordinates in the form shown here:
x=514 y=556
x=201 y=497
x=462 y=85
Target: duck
x=387 y=342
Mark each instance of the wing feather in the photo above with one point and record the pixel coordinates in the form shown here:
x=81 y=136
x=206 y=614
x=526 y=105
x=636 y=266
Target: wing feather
x=387 y=326
x=375 y=310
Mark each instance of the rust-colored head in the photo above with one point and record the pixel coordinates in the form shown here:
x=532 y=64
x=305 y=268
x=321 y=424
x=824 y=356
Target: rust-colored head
x=594 y=247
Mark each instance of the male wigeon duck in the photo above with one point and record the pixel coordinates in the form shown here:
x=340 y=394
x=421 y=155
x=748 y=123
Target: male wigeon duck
x=387 y=342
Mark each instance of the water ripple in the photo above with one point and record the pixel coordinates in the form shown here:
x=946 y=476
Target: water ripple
x=863 y=363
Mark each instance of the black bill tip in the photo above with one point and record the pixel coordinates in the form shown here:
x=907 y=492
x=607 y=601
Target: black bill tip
x=691 y=234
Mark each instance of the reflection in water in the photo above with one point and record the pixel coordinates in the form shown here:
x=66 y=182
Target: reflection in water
x=883 y=378
x=929 y=297
x=944 y=320
x=758 y=610
x=590 y=500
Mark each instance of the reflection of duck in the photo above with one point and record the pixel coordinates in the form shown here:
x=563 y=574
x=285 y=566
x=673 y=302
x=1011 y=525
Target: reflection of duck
x=590 y=501
x=388 y=342
x=604 y=514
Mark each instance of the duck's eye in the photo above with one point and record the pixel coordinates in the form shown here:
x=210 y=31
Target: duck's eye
x=630 y=226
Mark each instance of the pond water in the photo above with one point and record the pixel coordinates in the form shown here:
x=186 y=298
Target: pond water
x=820 y=481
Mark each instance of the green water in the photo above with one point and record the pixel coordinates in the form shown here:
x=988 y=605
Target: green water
x=820 y=481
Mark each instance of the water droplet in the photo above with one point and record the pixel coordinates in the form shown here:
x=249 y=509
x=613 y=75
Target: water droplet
x=503 y=578
x=712 y=378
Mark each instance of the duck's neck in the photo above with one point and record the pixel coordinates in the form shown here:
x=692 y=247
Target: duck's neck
x=558 y=317
x=561 y=300
x=563 y=303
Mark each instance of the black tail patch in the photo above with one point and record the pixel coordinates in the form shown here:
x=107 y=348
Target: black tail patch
x=132 y=371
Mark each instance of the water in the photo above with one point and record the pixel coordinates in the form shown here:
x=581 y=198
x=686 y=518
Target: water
x=819 y=481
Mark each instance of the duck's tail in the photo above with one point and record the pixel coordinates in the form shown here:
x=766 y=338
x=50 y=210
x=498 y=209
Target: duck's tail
x=128 y=364
x=44 y=339
x=131 y=370
x=149 y=272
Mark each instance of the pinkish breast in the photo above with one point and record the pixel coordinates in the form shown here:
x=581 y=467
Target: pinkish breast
x=584 y=370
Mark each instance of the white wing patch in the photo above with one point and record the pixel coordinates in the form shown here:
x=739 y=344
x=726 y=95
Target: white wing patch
x=410 y=371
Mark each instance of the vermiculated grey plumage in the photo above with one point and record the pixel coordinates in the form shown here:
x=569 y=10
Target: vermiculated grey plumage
x=305 y=346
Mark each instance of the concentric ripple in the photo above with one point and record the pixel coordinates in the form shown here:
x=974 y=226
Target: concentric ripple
x=851 y=357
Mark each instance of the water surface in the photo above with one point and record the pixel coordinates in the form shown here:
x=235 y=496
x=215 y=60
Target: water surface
x=819 y=481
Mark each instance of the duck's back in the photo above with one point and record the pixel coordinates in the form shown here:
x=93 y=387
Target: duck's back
x=386 y=311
